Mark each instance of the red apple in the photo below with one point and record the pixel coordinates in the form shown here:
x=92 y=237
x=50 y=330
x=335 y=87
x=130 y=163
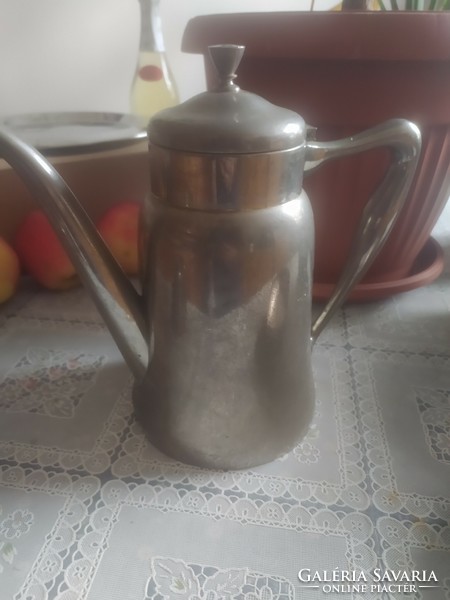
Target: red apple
x=119 y=228
x=42 y=254
x=9 y=271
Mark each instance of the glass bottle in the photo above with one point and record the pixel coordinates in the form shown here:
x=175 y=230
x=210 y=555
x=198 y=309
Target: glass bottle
x=153 y=86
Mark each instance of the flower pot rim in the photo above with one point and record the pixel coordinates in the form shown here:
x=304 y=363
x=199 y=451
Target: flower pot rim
x=428 y=266
x=327 y=35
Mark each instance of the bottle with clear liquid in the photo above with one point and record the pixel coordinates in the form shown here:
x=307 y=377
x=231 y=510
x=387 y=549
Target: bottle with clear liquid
x=153 y=86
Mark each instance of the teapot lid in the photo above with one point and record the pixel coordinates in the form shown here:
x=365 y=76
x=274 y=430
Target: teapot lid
x=227 y=120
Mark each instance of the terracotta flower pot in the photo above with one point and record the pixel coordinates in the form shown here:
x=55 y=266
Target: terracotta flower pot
x=344 y=72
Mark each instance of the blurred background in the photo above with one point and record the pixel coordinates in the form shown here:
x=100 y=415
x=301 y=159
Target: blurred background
x=71 y=55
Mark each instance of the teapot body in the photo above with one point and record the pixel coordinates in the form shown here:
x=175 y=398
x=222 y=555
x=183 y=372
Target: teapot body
x=228 y=300
x=220 y=340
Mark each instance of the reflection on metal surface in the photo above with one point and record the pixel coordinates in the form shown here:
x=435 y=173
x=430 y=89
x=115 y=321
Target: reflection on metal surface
x=383 y=208
x=234 y=386
x=226 y=245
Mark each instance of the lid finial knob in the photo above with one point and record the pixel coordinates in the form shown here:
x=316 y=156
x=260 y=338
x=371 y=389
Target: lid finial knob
x=226 y=59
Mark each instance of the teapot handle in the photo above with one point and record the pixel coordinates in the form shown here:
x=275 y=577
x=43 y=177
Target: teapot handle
x=380 y=213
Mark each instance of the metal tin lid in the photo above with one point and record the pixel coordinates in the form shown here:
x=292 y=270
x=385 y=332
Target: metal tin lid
x=227 y=120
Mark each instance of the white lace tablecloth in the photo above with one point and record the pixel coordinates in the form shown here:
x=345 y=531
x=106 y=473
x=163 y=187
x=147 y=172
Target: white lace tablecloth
x=88 y=510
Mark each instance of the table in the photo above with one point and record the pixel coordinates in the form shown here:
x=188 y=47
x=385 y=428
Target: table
x=88 y=510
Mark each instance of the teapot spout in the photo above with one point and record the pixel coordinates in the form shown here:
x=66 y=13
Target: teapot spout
x=115 y=297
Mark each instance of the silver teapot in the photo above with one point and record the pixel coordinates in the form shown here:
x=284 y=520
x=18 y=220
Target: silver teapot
x=220 y=338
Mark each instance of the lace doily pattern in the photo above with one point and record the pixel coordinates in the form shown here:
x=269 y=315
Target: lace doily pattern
x=368 y=487
x=35 y=308
x=49 y=383
x=15 y=525
x=434 y=410
x=410 y=321
x=174 y=578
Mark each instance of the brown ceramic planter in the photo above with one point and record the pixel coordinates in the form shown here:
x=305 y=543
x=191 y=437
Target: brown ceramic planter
x=345 y=72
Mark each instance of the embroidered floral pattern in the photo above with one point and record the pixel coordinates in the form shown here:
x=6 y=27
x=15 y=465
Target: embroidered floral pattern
x=49 y=382
x=307 y=453
x=16 y=524
x=8 y=552
x=177 y=580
